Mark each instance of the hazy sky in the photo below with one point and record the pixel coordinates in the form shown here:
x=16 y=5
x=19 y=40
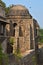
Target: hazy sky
x=34 y=6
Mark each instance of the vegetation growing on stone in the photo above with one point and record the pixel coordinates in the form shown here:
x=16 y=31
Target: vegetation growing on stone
x=18 y=55
x=3 y=57
x=11 y=40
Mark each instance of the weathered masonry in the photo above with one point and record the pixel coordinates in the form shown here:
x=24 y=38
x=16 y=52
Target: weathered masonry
x=20 y=25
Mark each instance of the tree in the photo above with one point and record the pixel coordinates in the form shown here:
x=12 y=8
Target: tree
x=7 y=9
x=40 y=40
x=3 y=4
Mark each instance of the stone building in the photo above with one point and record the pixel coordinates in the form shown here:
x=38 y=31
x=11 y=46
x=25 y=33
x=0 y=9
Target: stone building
x=3 y=23
x=20 y=25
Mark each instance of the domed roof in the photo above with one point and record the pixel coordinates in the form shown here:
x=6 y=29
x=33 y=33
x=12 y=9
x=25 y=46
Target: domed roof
x=18 y=7
x=18 y=10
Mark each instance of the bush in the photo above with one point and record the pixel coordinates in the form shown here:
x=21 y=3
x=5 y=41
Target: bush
x=11 y=40
x=3 y=57
x=18 y=55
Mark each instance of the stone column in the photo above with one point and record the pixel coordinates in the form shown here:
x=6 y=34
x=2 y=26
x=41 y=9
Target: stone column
x=17 y=31
x=4 y=30
x=16 y=38
x=11 y=28
x=27 y=36
x=33 y=34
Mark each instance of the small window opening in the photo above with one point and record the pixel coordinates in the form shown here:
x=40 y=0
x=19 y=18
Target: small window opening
x=14 y=25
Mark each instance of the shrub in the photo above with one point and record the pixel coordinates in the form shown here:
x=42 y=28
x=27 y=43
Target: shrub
x=11 y=40
x=3 y=57
x=18 y=55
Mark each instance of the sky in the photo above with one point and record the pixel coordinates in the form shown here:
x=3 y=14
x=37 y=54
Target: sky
x=35 y=8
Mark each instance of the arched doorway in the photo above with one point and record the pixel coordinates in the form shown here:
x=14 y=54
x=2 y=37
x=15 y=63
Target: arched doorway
x=9 y=48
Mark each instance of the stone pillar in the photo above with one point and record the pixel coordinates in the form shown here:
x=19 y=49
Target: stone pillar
x=16 y=38
x=33 y=34
x=27 y=36
x=17 y=31
x=18 y=47
x=4 y=30
x=11 y=28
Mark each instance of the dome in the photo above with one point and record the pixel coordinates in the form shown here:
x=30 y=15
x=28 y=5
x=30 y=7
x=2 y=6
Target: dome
x=18 y=10
x=18 y=7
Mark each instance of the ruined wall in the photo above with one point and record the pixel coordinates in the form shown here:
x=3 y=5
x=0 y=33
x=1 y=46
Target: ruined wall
x=28 y=59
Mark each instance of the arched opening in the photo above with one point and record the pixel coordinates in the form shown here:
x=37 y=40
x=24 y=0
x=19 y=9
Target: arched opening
x=9 y=48
x=14 y=25
x=20 y=31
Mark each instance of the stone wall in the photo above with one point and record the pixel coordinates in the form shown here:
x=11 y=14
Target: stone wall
x=25 y=60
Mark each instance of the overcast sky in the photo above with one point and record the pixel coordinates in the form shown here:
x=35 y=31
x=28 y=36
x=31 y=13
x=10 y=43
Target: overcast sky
x=34 y=6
